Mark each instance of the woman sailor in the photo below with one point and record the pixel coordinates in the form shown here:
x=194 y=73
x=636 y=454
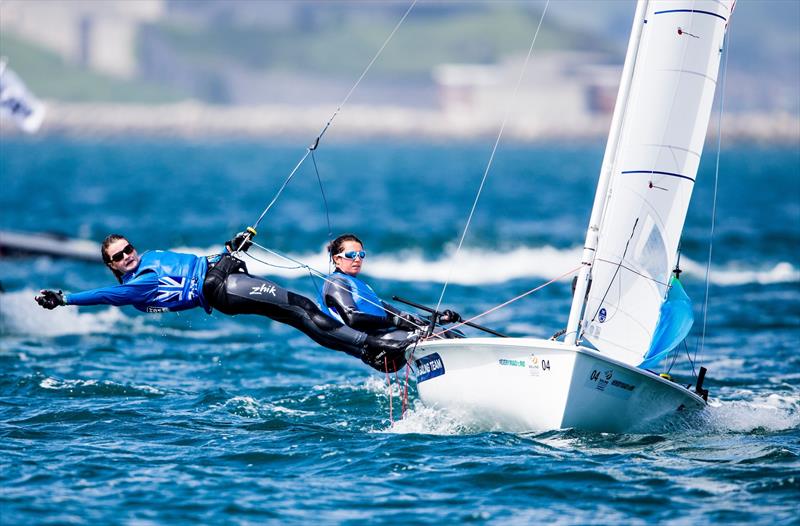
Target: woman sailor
x=158 y=281
x=350 y=300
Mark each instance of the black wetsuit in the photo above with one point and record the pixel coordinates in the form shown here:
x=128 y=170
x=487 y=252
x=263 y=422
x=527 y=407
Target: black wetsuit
x=350 y=299
x=231 y=290
x=359 y=307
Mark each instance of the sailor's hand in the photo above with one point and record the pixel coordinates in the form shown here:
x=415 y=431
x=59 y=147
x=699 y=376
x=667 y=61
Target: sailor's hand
x=408 y=322
x=386 y=355
x=241 y=241
x=50 y=299
x=450 y=316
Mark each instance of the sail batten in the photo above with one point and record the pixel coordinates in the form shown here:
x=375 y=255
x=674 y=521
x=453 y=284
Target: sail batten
x=694 y=11
x=657 y=172
x=653 y=169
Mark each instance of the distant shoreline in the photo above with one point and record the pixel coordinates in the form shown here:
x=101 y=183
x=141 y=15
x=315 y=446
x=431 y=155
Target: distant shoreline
x=195 y=120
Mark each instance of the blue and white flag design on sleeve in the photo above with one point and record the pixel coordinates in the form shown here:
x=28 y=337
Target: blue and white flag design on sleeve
x=19 y=103
x=170 y=288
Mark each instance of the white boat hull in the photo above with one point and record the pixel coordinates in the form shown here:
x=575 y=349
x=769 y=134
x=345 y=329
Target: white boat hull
x=526 y=384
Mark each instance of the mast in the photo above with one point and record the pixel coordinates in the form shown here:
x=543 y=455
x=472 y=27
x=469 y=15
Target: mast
x=603 y=184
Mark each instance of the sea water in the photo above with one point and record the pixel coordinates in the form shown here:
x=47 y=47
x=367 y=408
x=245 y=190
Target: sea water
x=110 y=416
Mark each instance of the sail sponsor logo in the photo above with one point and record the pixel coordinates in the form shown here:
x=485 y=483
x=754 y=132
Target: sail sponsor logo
x=602 y=315
x=429 y=367
x=262 y=289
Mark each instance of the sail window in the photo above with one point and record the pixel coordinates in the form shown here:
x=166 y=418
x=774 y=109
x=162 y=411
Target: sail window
x=650 y=252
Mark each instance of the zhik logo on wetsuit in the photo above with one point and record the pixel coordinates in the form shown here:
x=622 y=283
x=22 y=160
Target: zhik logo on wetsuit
x=170 y=288
x=261 y=289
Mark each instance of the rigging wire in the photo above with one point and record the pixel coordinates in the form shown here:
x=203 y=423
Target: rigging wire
x=491 y=157
x=327 y=216
x=616 y=272
x=512 y=300
x=313 y=272
x=324 y=199
x=701 y=343
x=310 y=149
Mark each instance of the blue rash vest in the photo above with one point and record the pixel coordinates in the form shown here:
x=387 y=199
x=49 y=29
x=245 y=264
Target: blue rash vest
x=364 y=298
x=163 y=281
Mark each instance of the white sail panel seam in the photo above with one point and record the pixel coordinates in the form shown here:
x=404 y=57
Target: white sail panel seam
x=690 y=72
x=672 y=147
x=629 y=269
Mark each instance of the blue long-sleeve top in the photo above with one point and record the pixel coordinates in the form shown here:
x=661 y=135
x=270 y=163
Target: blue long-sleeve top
x=138 y=291
x=163 y=281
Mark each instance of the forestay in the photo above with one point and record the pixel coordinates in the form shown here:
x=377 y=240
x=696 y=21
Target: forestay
x=663 y=128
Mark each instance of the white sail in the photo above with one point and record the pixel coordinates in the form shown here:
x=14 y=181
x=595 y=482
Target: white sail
x=663 y=128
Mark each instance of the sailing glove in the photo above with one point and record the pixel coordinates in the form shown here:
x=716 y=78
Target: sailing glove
x=408 y=322
x=240 y=242
x=450 y=316
x=386 y=355
x=50 y=299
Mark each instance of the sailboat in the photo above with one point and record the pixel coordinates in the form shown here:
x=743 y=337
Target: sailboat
x=603 y=376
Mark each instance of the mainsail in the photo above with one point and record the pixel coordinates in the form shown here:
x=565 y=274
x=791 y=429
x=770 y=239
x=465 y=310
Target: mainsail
x=653 y=171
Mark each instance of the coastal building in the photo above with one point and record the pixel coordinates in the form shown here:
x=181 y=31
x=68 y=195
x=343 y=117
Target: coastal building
x=561 y=90
x=98 y=35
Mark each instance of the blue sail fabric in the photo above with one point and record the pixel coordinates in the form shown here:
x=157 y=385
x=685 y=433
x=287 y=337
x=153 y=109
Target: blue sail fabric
x=674 y=323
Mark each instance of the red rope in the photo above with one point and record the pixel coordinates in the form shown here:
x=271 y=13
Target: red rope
x=405 y=392
x=397 y=379
x=389 y=385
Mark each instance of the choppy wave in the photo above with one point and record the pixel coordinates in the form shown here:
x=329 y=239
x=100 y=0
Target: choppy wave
x=98 y=388
x=481 y=267
x=249 y=407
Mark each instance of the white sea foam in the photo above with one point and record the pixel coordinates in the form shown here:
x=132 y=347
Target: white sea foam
x=480 y=267
x=19 y=314
x=249 y=407
x=736 y=274
x=58 y=384
x=772 y=412
x=428 y=420
x=245 y=406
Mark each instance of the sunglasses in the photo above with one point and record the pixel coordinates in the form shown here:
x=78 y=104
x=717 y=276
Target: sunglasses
x=127 y=251
x=353 y=254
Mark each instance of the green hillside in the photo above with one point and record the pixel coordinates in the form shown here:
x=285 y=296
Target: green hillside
x=346 y=44
x=49 y=76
